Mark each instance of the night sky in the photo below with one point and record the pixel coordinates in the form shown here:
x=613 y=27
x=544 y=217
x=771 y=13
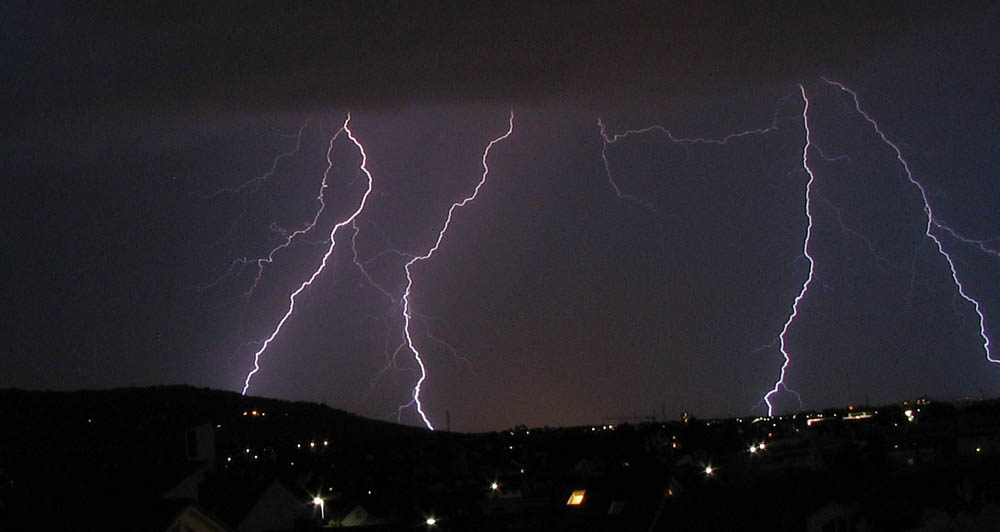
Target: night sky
x=552 y=301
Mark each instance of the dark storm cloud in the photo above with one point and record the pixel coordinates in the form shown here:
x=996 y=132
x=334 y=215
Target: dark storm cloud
x=263 y=56
x=93 y=78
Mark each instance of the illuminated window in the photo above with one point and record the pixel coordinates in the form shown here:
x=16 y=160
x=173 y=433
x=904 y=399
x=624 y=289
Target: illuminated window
x=576 y=498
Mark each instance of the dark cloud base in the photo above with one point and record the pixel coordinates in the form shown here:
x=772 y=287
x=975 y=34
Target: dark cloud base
x=279 y=56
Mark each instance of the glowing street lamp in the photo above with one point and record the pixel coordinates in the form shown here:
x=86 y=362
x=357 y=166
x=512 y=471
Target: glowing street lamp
x=318 y=501
x=431 y=521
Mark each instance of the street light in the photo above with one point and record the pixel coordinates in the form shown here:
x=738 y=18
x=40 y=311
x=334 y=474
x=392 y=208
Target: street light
x=318 y=501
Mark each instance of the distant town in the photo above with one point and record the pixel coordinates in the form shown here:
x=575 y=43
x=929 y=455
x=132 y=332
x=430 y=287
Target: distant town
x=186 y=459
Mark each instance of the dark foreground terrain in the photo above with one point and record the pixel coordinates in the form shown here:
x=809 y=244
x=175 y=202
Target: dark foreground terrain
x=180 y=458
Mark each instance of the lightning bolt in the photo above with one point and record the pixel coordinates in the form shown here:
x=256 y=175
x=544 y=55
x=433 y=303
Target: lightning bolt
x=608 y=140
x=977 y=243
x=361 y=264
x=879 y=260
x=407 y=310
x=932 y=221
x=246 y=189
x=289 y=237
x=776 y=119
x=333 y=243
x=254 y=183
x=782 y=343
x=251 y=186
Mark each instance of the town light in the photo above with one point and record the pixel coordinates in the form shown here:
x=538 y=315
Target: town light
x=431 y=521
x=318 y=501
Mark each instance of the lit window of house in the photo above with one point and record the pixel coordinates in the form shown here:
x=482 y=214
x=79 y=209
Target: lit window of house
x=576 y=498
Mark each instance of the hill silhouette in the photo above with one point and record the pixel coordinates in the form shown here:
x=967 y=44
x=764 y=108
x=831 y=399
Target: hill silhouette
x=76 y=458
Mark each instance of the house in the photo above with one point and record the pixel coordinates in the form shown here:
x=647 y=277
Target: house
x=192 y=519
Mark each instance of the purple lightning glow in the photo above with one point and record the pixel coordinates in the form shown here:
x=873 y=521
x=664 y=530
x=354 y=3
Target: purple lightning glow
x=333 y=243
x=932 y=221
x=780 y=383
x=407 y=312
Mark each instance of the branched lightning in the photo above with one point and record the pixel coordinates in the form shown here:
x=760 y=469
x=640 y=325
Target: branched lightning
x=607 y=166
x=252 y=185
x=932 y=221
x=361 y=264
x=237 y=266
x=444 y=344
x=407 y=311
x=612 y=139
x=287 y=237
x=780 y=383
x=976 y=243
x=608 y=140
x=879 y=260
x=333 y=243
x=935 y=231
